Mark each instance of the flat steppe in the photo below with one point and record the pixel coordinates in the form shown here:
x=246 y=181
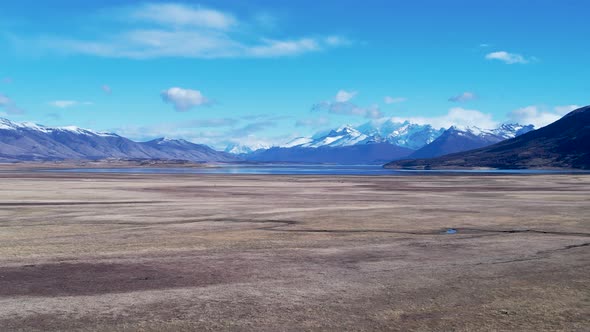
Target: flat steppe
x=124 y=252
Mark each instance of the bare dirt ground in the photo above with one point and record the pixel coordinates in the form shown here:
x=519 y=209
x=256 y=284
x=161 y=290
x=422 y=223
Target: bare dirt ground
x=110 y=252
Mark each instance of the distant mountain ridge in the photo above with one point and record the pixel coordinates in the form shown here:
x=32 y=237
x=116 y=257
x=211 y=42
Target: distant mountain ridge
x=29 y=142
x=457 y=139
x=562 y=144
x=387 y=136
x=404 y=134
x=376 y=153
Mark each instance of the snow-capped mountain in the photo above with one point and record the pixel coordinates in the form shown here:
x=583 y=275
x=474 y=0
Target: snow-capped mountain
x=370 y=143
x=564 y=143
x=238 y=149
x=511 y=130
x=29 y=141
x=6 y=124
x=405 y=134
x=459 y=139
x=336 y=145
x=343 y=136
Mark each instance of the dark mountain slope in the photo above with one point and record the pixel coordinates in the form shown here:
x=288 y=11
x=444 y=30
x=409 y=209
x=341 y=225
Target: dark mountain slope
x=456 y=139
x=562 y=144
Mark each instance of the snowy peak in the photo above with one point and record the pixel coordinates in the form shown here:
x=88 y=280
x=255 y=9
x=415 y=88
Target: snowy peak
x=511 y=130
x=343 y=136
x=6 y=124
x=9 y=125
x=171 y=141
x=469 y=130
x=235 y=148
x=463 y=138
x=298 y=141
x=504 y=131
x=404 y=134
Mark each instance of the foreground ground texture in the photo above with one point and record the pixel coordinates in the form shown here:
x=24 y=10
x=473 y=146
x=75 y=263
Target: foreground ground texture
x=192 y=252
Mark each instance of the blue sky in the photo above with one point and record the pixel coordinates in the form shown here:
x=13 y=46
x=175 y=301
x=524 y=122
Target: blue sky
x=262 y=72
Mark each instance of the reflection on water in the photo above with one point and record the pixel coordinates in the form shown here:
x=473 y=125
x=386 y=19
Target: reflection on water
x=301 y=170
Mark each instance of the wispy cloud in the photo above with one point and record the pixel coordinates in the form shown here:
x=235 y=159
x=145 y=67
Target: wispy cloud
x=344 y=96
x=313 y=122
x=508 y=58
x=456 y=116
x=540 y=116
x=9 y=105
x=181 y=30
x=106 y=89
x=341 y=104
x=217 y=132
x=173 y=14
x=251 y=128
x=465 y=96
x=6 y=80
x=68 y=103
x=394 y=100
x=184 y=99
x=565 y=109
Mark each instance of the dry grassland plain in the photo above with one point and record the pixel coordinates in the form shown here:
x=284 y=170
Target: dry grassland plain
x=124 y=252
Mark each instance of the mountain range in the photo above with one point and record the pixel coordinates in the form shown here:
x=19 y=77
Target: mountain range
x=562 y=144
x=375 y=153
x=376 y=141
x=32 y=142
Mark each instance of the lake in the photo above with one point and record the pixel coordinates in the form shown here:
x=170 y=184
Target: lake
x=300 y=170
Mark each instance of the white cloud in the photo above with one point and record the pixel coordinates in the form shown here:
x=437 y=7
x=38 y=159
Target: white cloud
x=341 y=105
x=465 y=96
x=337 y=41
x=275 y=48
x=68 y=103
x=216 y=132
x=106 y=89
x=565 y=109
x=183 y=15
x=176 y=30
x=456 y=116
x=343 y=96
x=393 y=100
x=347 y=108
x=538 y=116
x=509 y=58
x=184 y=99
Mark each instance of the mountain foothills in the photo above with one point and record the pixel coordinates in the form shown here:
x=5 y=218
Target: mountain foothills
x=32 y=142
x=562 y=144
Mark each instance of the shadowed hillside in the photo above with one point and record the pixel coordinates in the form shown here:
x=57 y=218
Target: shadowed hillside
x=562 y=144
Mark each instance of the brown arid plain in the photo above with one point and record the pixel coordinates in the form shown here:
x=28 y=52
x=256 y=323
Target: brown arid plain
x=125 y=252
